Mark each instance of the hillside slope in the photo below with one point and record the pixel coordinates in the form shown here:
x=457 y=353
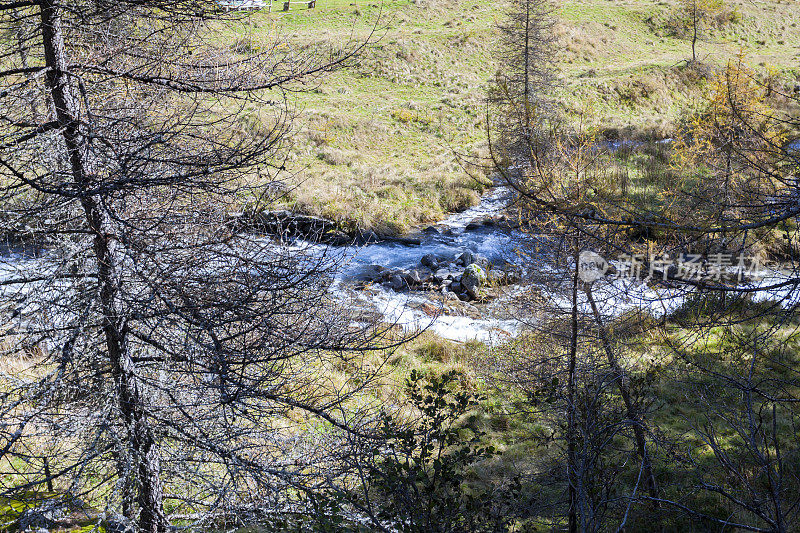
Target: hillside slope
x=376 y=143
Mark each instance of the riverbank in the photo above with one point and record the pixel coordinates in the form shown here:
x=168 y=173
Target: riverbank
x=378 y=145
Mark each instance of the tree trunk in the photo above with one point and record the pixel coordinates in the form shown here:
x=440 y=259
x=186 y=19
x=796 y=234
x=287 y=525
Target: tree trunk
x=572 y=466
x=141 y=441
x=526 y=74
x=632 y=412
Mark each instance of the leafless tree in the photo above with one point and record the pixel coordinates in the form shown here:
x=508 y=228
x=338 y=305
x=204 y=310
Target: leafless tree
x=519 y=96
x=554 y=172
x=158 y=362
x=735 y=191
x=697 y=15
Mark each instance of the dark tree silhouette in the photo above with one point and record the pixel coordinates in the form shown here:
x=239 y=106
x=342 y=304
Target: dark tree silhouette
x=159 y=363
x=726 y=190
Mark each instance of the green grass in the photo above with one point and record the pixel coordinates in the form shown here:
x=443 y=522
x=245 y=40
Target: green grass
x=376 y=143
x=512 y=425
x=682 y=402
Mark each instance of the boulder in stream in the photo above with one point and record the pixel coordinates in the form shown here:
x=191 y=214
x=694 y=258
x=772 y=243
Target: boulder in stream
x=479 y=222
x=397 y=283
x=336 y=238
x=443 y=274
x=372 y=273
x=414 y=278
x=465 y=258
x=363 y=237
x=473 y=278
x=433 y=230
x=430 y=261
x=424 y=274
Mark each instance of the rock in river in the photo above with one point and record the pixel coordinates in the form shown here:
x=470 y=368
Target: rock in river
x=397 y=282
x=473 y=278
x=444 y=274
x=371 y=273
x=430 y=261
x=465 y=258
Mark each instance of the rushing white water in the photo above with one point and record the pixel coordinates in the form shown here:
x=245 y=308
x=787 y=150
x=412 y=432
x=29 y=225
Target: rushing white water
x=491 y=323
x=490 y=241
x=418 y=311
x=413 y=313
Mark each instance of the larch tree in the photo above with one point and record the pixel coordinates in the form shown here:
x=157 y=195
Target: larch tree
x=734 y=341
x=697 y=16
x=726 y=188
x=160 y=364
x=552 y=172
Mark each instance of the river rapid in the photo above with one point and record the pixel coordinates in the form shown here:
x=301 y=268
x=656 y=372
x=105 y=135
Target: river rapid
x=494 y=319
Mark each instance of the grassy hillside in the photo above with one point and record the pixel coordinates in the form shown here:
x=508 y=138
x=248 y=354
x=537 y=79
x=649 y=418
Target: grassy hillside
x=376 y=143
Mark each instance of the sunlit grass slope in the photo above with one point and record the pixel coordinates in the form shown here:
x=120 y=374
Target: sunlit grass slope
x=377 y=143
